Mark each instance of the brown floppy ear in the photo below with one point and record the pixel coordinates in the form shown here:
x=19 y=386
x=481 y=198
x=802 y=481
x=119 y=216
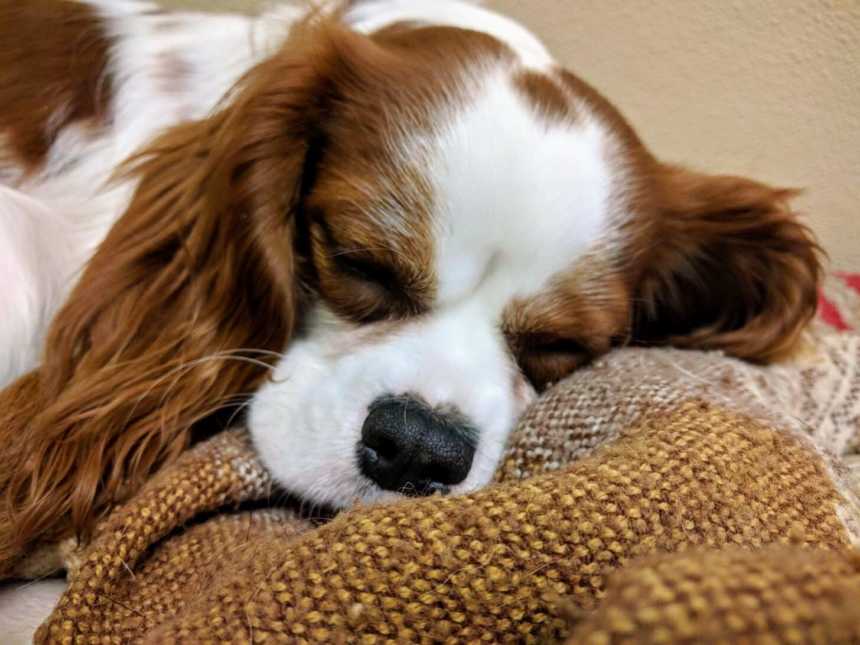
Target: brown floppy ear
x=179 y=312
x=729 y=267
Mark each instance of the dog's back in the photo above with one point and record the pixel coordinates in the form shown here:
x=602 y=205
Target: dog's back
x=83 y=85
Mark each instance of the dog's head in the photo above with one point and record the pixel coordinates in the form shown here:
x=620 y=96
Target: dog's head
x=383 y=246
x=469 y=230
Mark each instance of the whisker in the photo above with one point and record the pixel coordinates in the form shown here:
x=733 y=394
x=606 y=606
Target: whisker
x=180 y=370
x=241 y=408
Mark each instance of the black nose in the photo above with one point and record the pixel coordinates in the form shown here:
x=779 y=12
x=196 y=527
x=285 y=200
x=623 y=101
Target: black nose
x=409 y=448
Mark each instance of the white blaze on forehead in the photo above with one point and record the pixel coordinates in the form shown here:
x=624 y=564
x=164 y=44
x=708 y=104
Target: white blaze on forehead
x=518 y=197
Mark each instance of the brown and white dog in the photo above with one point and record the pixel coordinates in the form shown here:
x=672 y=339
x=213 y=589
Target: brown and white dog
x=377 y=227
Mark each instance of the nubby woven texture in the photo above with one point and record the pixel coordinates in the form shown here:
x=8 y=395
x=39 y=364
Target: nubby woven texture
x=658 y=496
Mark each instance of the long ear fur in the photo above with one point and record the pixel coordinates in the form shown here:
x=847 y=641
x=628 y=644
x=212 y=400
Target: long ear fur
x=173 y=317
x=731 y=268
x=19 y=403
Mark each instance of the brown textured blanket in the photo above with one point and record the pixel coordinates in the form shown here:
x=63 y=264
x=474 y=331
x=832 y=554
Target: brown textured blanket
x=657 y=496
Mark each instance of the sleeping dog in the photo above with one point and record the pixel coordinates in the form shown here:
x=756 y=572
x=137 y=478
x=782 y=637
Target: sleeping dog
x=375 y=228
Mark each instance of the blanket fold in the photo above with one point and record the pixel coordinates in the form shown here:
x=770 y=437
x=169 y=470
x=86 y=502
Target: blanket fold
x=772 y=595
x=670 y=468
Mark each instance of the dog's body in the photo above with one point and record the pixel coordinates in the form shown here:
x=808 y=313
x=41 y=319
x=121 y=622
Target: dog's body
x=56 y=208
x=405 y=210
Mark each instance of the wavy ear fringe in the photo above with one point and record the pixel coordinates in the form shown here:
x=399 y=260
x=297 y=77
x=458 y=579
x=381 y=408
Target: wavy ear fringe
x=150 y=342
x=732 y=268
x=178 y=314
x=19 y=404
x=191 y=295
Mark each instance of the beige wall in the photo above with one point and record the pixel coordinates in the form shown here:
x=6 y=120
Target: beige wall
x=767 y=88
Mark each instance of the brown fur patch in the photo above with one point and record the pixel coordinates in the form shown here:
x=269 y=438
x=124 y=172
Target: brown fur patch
x=580 y=316
x=19 y=402
x=372 y=243
x=732 y=267
x=53 y=72
x=545 y=96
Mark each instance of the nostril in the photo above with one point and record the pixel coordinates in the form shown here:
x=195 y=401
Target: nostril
x=381 y=447
x=369 y=455
x=409 y=448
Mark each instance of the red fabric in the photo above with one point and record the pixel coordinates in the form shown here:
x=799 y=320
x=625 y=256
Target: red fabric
x=830 y=314
x=852 y=280
x=827 y=309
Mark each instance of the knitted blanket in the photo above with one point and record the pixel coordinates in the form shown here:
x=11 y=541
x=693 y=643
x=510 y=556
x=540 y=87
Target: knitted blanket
x=656 y=496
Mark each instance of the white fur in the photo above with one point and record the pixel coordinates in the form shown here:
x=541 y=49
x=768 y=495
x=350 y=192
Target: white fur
x=517 y=202
x=32 y=281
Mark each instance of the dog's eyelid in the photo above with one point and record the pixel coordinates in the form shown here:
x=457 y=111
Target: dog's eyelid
x=545 y=343
x=358 y=262
x=560 y=346
x=544 y=358
x=361 y=266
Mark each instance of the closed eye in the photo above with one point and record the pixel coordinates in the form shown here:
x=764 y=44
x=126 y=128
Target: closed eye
x=358 y=283
x=545 y=359
x=550 y=346
x=357 y=263
x=357 y=266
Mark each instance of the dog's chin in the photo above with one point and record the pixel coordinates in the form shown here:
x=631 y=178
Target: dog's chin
x=367 y=493
x=374 y=495
x=339 y=484
x=355 y=490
